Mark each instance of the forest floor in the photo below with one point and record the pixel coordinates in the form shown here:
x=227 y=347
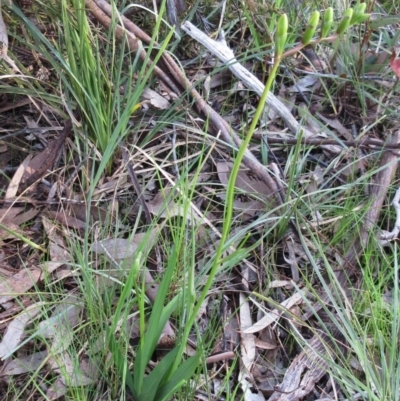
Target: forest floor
x=166 y=235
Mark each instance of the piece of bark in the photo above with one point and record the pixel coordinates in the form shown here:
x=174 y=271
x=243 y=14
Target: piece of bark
x=307 y=368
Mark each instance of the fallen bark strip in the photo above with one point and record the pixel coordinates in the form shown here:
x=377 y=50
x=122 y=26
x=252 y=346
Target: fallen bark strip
x=306 y=369
x=310 y=366
x=226 y=55
x=102 y=11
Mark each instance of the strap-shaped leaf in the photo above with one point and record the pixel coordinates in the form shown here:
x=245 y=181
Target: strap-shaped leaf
x=152 y=382
x=158 y=318
x=183 y=373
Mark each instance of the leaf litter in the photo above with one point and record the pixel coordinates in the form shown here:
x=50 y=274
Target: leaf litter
x=254 y=329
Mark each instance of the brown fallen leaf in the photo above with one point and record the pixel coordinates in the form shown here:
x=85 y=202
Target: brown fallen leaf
x=120 y=248
x=244 y=182
x=13 y=310
x=163 y=205
x=43 y=161
x=65 y=219
x=19 y=283
x=13 y=186
x=25 y=364
x=79 y=211
x=394 y=62
x=56 y=390
x=12 y=218
x=71 y=374
x=264 y=345
x=57 y=247
x=275 y=314
x=59 y=327
x=156 y=100
x=17 y=215
x=15 y=331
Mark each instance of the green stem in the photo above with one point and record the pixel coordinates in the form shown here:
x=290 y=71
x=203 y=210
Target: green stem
x=228 y=212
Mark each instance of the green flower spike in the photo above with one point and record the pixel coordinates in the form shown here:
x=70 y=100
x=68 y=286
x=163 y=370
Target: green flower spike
x=281 y=35
x=311 y=28
x=345 y=22
x=327 y=22
x=359 y=8
x=358 y=14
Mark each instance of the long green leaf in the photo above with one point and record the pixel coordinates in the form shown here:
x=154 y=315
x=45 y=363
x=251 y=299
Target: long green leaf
x=152 y=382
x=182 y=374
x=157 y=321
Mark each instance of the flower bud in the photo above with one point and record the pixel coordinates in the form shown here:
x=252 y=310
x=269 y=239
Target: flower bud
x=311 y=28
x=327 y=22
x=281 y=35
x=358 y=14
x=345 y=22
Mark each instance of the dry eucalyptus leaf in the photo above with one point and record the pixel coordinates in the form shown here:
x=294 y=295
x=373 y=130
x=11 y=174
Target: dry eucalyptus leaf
x=19 y=283
x=275 y=314
x=58 y=251
x=15 y=331
x=72 y=375
x=164 y=206
x=59 y=327
x=17 y=177
x=337 y=125
x=244 y=181
x=65 y=316
x=25 y=364
x=13 y=217
x=305 y=84
x=120 y=248
x=264 y=344
x=65 y=219
x=56 y=390
x=156 y=100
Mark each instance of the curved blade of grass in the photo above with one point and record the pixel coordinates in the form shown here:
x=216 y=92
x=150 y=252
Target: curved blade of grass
x=120 y=362
x=22 y=238
x=152 y=382
x=183 y=373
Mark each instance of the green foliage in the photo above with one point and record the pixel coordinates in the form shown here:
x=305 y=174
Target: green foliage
x=326 y=23
x=345 y=22
x=169 y=374
x=311 y=28
x=352 y=16
x=281 y=35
